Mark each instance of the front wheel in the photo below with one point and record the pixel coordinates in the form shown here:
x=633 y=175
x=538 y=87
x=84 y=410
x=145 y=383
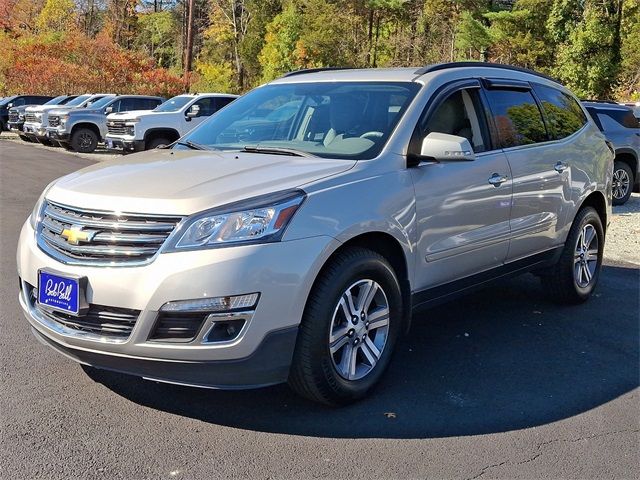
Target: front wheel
x=573 y=279
x=84 y=140
x=348 y=330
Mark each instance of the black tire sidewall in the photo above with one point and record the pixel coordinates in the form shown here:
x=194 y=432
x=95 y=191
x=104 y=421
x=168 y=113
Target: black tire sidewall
x=375 y=268
x=620 y=165
x=157 y=142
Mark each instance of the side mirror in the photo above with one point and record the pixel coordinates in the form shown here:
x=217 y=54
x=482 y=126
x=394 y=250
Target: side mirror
x=441 y=147
x=193 y=111
x=108 y=110
x=9 y=105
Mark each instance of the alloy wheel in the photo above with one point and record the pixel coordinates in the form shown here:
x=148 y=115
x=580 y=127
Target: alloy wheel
x=586 y=256
x=359 y=329
x=621 y=184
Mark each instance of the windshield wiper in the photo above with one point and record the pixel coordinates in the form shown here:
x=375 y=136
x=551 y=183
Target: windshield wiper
x=193 y=145
x=276 y=151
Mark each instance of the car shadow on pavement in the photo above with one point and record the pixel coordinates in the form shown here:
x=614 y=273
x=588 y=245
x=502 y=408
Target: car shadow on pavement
x=501 y=359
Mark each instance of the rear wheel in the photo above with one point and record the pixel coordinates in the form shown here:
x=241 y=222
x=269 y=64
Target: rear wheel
x=622 y=182
x=84 y=140
x=349 y=328
x=157 y=142
x=574 y=277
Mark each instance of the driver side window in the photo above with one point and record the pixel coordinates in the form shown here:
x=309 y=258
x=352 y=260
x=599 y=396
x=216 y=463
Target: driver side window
x=460 y=114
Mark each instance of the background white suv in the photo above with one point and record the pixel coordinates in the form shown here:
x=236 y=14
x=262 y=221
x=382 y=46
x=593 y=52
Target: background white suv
x=145 y=130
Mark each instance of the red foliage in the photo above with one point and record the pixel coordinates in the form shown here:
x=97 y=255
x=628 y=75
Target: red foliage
x=76 y=63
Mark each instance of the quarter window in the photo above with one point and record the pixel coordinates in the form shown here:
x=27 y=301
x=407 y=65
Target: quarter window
x=564 y=115
x=517 y=118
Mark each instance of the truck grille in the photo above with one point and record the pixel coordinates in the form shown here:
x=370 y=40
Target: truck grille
x=54 y=120
x=119 y=128
x=13 y=117
x=31 y=118
x=99 y=320
x=106 y=238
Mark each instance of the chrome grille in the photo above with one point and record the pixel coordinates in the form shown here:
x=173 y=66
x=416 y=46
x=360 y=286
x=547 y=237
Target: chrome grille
x=119 y=128
x=13 y=116
x=31 y=117
x=100 y=319
x=54 y=120
x=111 y=238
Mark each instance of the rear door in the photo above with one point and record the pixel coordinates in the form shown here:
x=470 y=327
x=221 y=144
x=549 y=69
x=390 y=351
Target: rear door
x=540 y=165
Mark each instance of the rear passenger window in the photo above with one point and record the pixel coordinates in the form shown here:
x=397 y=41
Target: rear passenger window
x=564 y=115
x=517 y=118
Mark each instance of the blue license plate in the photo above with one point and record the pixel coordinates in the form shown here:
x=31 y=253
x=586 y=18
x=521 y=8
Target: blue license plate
x=59 y=293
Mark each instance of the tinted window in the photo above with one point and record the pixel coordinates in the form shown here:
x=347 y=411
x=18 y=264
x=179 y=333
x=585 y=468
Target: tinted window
x=174 y=104
x=594 y=114
x=564 y=115
x=517 y=118
x=207 y=106
x=223 y=101
x=626 y=118
x=459 y=114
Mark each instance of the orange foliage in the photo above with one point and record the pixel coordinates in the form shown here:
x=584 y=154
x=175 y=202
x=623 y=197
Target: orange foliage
x=74 y=63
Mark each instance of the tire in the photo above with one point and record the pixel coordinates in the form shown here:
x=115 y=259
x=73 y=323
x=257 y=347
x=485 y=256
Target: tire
x=326 y=377
x=156 y=142
x=84 y=140
x=567 y=282
x=24 y=138
x=622 y=182
x=46 y=141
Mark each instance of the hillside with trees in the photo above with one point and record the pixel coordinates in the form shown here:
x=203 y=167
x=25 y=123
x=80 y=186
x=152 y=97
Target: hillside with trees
x=170 y=46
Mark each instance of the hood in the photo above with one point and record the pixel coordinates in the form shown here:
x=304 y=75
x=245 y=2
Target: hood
x=184 y=182
x=127 y=115
x=46 y=108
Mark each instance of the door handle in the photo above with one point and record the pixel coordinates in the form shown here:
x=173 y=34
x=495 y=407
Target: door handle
x=496 y=179
x=560 y=167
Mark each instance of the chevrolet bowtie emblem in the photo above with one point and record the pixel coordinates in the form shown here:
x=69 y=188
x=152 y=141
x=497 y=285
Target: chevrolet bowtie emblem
x=75 y=235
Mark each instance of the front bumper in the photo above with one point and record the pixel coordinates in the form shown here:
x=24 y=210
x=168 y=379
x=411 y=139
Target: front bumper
x=16 y=127
x=260 y=355
x=59 y=135
x=34 y=130
x=124 y=144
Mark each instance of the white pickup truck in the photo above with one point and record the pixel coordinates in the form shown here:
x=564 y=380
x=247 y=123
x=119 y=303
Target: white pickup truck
x=143 y=130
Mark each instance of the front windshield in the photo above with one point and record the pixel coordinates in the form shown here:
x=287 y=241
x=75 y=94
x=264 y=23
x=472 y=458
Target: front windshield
x=78 y=101
x=99 y=103
x=327 y=119
x=55 y=101
x=174 y=104
x=6 y=100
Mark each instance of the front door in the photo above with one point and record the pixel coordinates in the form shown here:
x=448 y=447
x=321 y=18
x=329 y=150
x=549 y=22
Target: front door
x=462 y=206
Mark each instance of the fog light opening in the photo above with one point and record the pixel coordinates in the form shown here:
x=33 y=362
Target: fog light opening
x=225 y=330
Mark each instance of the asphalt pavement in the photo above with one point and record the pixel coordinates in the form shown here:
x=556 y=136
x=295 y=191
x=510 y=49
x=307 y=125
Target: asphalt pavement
x=500 y=384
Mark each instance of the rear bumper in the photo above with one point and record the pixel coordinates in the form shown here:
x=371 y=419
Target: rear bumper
x=267 y=365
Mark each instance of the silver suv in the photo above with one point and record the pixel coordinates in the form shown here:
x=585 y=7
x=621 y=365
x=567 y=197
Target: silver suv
x=622 y=129
x=290 y=236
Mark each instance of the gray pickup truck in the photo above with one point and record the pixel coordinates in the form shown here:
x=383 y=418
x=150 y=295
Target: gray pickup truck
x=82 y=129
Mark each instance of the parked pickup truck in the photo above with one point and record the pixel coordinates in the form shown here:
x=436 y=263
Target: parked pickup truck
x=16 y=101
x=37 y=118
x=18 y=115
x=136 y=131
x=82 y=129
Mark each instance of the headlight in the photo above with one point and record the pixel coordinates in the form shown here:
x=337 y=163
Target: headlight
x=38 y=116
x=20 y=117
x=258 y=220
x=36 y=214
x=131 y=120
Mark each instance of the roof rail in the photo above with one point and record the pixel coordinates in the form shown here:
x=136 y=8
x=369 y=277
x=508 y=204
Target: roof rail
x=313 y=70
x=600 y=101
x=444 y=66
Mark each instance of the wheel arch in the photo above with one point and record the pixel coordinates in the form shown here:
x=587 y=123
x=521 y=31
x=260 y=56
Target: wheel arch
x=599 y=203
x=170 y=133
x=88 y=125
x=629 y=157
x=391 y=249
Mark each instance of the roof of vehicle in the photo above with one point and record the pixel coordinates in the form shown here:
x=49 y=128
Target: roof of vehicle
x=405 y=74
x=604 y=105
x=213 y=94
